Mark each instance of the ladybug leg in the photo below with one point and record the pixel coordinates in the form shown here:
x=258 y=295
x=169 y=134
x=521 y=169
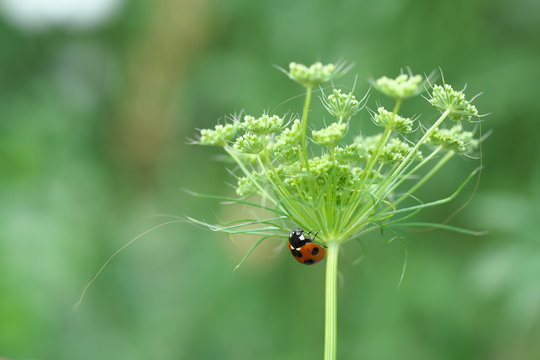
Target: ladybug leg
x=315 y=235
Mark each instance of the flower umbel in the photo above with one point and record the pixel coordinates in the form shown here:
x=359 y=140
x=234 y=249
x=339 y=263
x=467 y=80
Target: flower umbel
x=338 y=188
x=262 y=125
x=313 y=75
x=445 y=98
x=249 y=144
x=402 y=87
x=347 y=189
x=342 y=106
x=330 y=135
x=454 y=139
x=289 y=137
x=219 y=136
x=396 y=123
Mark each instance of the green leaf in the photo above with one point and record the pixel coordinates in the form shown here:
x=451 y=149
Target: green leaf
x=251 y=249
x=441 y=226
x=234 y=200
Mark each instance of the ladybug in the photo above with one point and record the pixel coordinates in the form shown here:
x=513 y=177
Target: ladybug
x=303 y=249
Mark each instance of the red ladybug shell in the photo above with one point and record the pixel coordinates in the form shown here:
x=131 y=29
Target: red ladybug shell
x=309 y=253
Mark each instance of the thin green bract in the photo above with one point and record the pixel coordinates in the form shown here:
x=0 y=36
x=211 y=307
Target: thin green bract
x=317 y=180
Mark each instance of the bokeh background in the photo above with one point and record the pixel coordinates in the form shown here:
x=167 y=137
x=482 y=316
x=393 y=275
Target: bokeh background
x=97 y=101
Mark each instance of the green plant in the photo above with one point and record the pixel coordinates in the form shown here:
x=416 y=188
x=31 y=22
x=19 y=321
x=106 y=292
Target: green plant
x=343 y=191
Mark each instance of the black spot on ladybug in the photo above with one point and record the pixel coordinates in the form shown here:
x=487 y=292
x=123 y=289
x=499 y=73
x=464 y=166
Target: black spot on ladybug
x=315 y=251
x=296 y=253
x=309 y=261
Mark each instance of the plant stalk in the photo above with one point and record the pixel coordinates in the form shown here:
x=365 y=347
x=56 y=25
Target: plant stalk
x=303 y=124
x=426 y=177
x=330 y=314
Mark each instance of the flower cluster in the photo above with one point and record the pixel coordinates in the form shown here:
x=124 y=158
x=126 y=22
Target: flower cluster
x=262 y=125
x=249 y=144
x=454 y=139
x=289 y=137
x=384 y=118
x=445 y=98
x=342 y=106
x=247 y=185
x=331 y=135
x=313 y=75
x=219 y=136
x=402 y=87
x=326 y=182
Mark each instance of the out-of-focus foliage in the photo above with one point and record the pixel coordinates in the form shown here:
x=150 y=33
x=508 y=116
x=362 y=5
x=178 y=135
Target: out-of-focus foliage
x=93 y=127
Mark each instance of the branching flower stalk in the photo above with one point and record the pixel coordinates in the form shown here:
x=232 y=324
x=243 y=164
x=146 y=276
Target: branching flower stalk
x=315 y=180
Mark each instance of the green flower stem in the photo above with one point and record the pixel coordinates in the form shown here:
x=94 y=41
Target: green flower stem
x=373 y=159
x=279 y=187
x=403 y=166
x=397 y=106
x=409 y=175
x=264 y=193
x=332 y=154
x=405 y=162
x=305 y=114
x=426 y=177
x=330 y=314
x=384 y=139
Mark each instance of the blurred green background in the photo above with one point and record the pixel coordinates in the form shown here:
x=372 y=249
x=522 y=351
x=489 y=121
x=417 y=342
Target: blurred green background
x=97 y=101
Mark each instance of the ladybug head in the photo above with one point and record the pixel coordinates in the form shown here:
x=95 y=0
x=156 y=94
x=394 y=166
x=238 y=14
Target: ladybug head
x=297 y=238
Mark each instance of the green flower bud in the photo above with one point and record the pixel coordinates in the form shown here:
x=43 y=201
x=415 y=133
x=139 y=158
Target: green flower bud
x=454 y=139
x=396 y=122
x=312 y=76
x=323 y=167
x=292 y=174
x=263 y=125
x=341 y=105
x=396 y=151
x=287 y=155
x=249 y=144
x=350 y=153
x=246 y=185
x=219 y=136
x=330 y=135
x=320 y=165
x=289 y=137
x=402 y=87
x=446 y=98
